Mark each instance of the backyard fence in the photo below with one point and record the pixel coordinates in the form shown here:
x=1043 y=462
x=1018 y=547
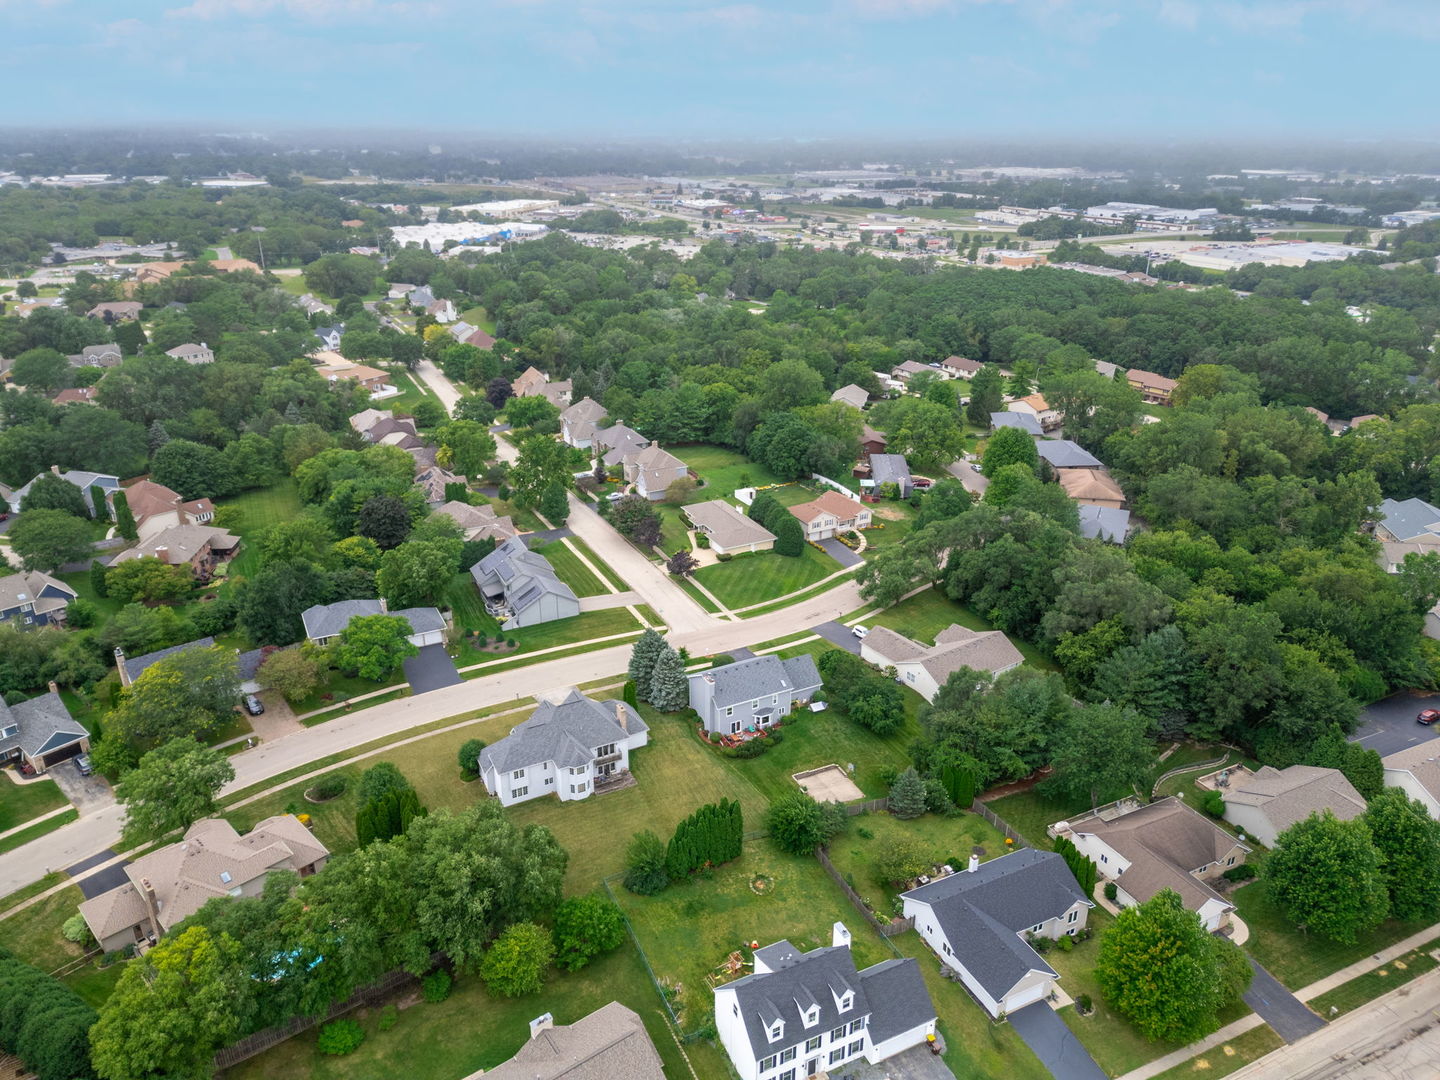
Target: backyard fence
x=886 y=930
x=1192 y=767
x=871 y=807
x=1000 y=823
x=654 y=980
x=261 y=1041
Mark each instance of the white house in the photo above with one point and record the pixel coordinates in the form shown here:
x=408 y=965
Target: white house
x=564 y=750
x=1036 y=406
x=979 y=921
x=924 y=668
x=192 y=353
x=323 y=622
x=855 y=396
x=580 y=422
x=1268 y=801
x=1165 y=845
x=802 y=1014
x=1416 y=771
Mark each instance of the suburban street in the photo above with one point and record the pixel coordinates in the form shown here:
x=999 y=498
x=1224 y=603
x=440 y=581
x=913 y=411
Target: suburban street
x=1389 y=725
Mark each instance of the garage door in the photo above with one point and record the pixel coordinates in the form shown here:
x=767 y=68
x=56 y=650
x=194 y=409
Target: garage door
x=430 y=637
x=65 y=753
x=1026 y=997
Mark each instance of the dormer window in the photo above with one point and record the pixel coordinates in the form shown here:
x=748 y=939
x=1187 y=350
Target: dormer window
x=847 y=1001
x=776 y=1031
x=811 y=1016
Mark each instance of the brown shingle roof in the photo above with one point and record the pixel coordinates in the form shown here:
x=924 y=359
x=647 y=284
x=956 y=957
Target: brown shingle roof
x=830 y=502
x=1290 y=795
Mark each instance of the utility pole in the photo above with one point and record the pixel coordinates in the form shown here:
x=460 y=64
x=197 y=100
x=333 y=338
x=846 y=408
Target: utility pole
x=262 y=255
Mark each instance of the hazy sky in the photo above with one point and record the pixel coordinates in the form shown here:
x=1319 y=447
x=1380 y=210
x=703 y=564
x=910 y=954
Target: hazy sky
x=1344 y=68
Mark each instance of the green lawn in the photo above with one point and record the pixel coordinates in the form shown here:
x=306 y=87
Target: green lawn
x=975 y=1046
x=1365 y=988
x=1298 y=959
x=926 y=614
x=576 y=630
x=754 y=579
x=258 y=511
x=37 y=830
x=1114 y=1044
x=412 y=392
x=339 y=688
x=34 y=934
x=21 y=802
x=1227 y=1057
x=1029 y=812
x=600 y=564
x=473 y=1030
x=570 y=569
x=477 y=316
x=945 y=839
x=723 y=471
x=674 y=533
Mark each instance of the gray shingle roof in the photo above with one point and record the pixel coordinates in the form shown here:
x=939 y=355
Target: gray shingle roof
x=1104 y=522
x=889 y=469
x=1408 y=519
x=44 y=722
x=566 y=734
x=620 y=442
x=327 y=620
x=746 y=680
x=819 y=977
x=1024 y=421
x=522 y=575
x=1064 y=454
x=726 y=525
x=984 y=911
x=1286 y=796
x=134 y=666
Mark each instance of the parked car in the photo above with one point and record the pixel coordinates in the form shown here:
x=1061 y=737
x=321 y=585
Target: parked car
x=975 y=466
x=1428 y=716
x=253 y=705
x=860 y=631
x=83 y=765
x=615 y=496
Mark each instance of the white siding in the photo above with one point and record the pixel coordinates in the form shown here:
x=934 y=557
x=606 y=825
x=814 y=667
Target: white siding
x=731 y=1029
x=1253 y=820
x=895 y=1044
x=1407 y=783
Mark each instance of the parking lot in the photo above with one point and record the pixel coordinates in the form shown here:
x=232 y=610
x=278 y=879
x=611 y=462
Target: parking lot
x=1389 y=725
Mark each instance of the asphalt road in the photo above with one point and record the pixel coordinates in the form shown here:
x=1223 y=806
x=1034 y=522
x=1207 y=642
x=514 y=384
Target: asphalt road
x=1389 y=725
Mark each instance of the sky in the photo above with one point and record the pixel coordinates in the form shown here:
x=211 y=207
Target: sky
x=798 y=68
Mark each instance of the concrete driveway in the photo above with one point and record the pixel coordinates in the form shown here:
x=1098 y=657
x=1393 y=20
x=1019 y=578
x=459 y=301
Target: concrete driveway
x=837 y=633
x=86 y=793
x=1389 y=725
x=840 y=553
x=1288 y=1015
x=1055 y=1044
x=917 y=1063
x=431 y=669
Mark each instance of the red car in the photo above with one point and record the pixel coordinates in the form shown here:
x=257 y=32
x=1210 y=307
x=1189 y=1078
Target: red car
x=1428 y=716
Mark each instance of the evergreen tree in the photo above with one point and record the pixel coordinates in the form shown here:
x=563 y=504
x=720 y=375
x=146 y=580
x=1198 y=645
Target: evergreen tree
x=124 y=519
x=907 y=795
x=669 y=690
x=157 y=436
x=293 y=415
x=98 y=575
x=642 y=661
x=764 y=509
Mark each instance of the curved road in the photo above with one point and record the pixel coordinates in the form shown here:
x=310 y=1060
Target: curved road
x=689 y=625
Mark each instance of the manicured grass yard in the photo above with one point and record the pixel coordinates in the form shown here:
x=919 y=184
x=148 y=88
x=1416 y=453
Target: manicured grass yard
x=723 y=471
x=472 y=1029
x=1227 y=1057
x=339 y=688
x=1367 y=987
x=926 y=614
x=1115 y=1045
x=945 y=839
x=754 y=579
x=576 y=630
x=570 y=569
x=1029 y=812
x=34 y=934
x=600 y=564
x=674 y=533
x=1298 y=959
x=21 y=802
x=257 y=511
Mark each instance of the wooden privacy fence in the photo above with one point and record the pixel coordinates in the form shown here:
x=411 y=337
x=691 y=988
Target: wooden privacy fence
x=886 y=930
x=261 y=1041
x=873 y=806
x=1000 y=823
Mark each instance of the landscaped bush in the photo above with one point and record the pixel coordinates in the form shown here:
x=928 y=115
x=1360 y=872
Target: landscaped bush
x=645 y=864
x=1213 y=804
x=340 y=1037
x=721 y=661
x=435 y=987
x=330 y=786
x=469 y=758
x=1243 y=872
x=753 y=748
x=702 y=540
x=723 y=556
x=1112 y=891
x=1083 y=1004
x=76 y=929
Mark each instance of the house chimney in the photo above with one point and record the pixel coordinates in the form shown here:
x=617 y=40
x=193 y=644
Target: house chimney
x=974 y=863
x=180 y=516
x=163 y=553
x=840 y=936
x=152 y=908
x=384 y=606
x=543 y=1022
x=54 y=687
x=120 y=665
x=621 y=716
x=55 y=470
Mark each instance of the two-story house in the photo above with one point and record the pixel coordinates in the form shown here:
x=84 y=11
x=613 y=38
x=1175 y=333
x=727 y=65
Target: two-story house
x=580 y=422
x=752 y=693
x=1154 y=389
x=201 y=547
x=831 y=514
x=192 y=353
x=330 y=336
x=1035 y=405
x=566 y=750
x=1164 y=845
x=88 y=483
x=980 y=922
x=805 y=1013
x=40 y=732
x=617 y=442
x=30 y=598
x=521 y=588
x=652 y=471
x=156 y=507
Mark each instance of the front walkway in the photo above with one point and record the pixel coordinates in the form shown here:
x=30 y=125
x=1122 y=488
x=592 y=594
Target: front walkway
x=1054 y=1043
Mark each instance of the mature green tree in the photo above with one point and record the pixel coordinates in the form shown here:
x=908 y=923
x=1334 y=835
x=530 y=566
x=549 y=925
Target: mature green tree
x=789 y=535
x=907 y=795
x=188 y=693
x=43 y=1022
x=174 y=786
x=271 y=601
x=668 y=690
x=541 y=462
x=643 y=654
x=172 y=1010
x=928 y=434
x=303 y=538
x=148 y=580
x=987 y=395
x=373 y=646
x=416 y=573
x=1093 y=406
x=798 y=824
x=1162 y=971
x=1408 y=840
x=515 y=965
x=50 y=492
x=586 y=927
x=555 y=505
x=1102 y=750
x=292 y=673
x=384 y=519
x=469 y=756
x=1325 y=875
x=40 y=370
x=193 y=470
x=791 y=384
x=645 y=873
x=533 y=411
x=1009 y=446
x=47 y=539
x=636 y=520
x=464 y=447
x=124 y=518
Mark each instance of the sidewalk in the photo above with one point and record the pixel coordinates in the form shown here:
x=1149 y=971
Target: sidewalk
x=36 y=820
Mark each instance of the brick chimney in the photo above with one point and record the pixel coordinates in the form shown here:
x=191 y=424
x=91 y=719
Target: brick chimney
x=621 y=716
x=180 y=515
x=120 y=665
x=384 y=606
x=54 y=687
x=163 y=553
x=152 y=907
x=55 y=470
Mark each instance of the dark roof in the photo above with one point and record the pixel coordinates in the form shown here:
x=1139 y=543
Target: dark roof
x=1024 y=421
x=1064 y=454
x=134 y=666
x=889 y=469
x=1104 y=522
x=327 y=620
x=745 y=680
x=898 y=998
x=566 y=734
x=984 y=911
x=249 y=663
x=44 y=725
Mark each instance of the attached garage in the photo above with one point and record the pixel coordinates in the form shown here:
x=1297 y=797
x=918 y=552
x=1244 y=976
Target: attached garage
x=1027 y=996
x=41 y=732
x=428 y=637
x=74 y=748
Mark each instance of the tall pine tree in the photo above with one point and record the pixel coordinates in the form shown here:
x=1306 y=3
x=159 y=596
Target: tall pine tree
x=125 y=518
x=669 y=690
x=642 y=661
